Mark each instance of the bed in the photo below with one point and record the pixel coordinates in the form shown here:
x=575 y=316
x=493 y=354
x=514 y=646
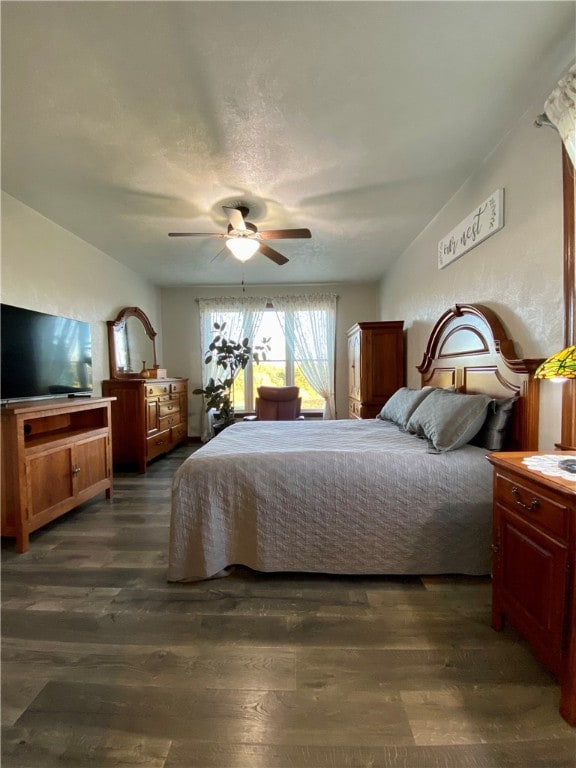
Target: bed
x=364 y=496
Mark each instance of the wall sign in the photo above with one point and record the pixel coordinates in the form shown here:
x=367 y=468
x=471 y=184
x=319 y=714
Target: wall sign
x=487 y=219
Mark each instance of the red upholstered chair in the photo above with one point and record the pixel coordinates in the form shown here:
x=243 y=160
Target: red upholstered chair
x=278 y=404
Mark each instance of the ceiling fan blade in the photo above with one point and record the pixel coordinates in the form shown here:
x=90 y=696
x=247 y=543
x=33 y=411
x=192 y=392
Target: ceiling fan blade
x=221 y=255
x=195 y=234
x=235 y=218
x=276 y=257
x=285 y=234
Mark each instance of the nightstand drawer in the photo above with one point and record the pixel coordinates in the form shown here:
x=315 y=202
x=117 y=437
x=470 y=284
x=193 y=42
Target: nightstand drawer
x=528 y=500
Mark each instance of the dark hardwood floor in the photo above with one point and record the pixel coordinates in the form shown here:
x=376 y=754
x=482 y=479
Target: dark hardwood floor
x=106 y=664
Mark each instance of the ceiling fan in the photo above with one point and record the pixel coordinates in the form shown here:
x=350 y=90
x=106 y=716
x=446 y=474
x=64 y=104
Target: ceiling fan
x=244 y=239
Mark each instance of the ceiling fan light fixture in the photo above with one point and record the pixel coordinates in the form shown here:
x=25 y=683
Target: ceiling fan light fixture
x=243 y=248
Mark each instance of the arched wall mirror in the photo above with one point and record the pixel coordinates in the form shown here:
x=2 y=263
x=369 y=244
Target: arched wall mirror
x=131 y=343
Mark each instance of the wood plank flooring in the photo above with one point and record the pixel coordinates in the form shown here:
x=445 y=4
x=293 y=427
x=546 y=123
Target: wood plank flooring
x=106 y=664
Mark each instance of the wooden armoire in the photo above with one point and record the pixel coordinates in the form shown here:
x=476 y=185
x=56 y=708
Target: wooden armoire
x=376 y=367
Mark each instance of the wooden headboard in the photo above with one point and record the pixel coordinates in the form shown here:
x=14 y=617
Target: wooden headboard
x=470 y=351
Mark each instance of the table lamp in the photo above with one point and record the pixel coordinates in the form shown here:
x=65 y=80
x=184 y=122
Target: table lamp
x=562 y=365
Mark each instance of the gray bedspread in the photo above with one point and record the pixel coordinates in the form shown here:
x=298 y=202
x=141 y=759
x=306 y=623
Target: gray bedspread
x=340 y=497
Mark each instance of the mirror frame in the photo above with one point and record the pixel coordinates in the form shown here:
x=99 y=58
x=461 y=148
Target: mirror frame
x=116 y=325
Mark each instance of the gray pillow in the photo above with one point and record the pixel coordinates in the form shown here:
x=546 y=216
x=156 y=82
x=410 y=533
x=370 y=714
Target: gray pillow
x=449 y=420
x=402 y=404
x=492 y=434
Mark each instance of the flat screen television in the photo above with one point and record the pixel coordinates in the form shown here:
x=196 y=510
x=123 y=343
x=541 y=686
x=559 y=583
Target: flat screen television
x=43 y=355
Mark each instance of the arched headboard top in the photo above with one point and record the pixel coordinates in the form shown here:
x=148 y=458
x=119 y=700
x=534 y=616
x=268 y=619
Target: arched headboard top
x=469 y=350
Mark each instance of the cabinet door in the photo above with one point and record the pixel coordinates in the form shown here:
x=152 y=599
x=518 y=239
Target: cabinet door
x=382 y=365
x=50 y=481
x=532 y=577
x=90 y=463
x=152 y=416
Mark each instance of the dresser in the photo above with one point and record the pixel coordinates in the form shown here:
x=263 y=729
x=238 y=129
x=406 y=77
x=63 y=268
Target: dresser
x=534 y=563
x=149 y=418
x=376 y=366
x=56 y=454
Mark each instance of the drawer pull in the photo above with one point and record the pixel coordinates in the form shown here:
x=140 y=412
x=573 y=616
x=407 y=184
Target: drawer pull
x=534 y=504
x=76 y=469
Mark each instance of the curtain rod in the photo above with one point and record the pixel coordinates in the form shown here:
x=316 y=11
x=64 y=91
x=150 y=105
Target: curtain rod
x=198 y=299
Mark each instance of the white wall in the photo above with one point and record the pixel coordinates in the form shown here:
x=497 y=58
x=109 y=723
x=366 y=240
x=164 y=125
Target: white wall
x=181 y=324
x=47 y=268
x=517 y=272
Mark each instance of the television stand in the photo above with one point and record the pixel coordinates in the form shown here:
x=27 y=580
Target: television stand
x=56 y=454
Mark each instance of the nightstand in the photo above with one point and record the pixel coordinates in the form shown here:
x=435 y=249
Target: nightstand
x=534 y=564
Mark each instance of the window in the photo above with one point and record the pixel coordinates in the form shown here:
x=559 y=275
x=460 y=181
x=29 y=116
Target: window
x=282 y=367
x=302 y=334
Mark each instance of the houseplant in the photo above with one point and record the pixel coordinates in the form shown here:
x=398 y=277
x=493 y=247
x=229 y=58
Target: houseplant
x=230 y=357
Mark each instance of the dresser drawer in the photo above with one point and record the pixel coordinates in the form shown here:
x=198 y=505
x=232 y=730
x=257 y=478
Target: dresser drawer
x=178 y=386
x=169 y=408
x=179 y=432
x=166 y=422
x=530 y=502
x=157 y=444
x=155 y=390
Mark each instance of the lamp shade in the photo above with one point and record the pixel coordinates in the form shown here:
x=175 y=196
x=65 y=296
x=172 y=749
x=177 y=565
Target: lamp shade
x=562 y=365
x=242 y=247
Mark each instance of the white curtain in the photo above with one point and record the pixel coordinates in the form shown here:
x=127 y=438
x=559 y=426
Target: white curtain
x=309 y=324
x=242 y=316
x=560 y=108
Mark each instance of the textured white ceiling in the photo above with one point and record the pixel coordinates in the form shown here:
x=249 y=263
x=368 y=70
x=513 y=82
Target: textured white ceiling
x=122 y=121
